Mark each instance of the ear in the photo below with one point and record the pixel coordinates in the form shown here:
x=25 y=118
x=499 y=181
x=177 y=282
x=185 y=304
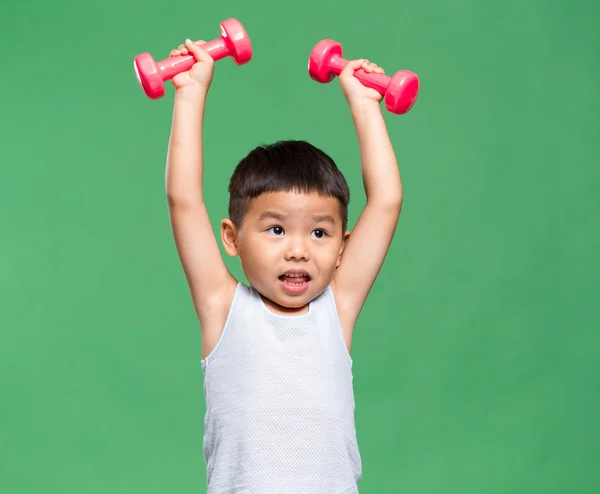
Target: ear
x=344 y=242
x=229 y=237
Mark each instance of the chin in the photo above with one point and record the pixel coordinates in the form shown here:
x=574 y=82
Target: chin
x=293 y=302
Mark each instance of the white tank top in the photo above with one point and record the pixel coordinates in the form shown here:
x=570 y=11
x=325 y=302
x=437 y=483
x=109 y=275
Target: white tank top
x=280 y=402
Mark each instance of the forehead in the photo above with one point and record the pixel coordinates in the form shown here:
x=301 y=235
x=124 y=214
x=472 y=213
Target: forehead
x=295 y=204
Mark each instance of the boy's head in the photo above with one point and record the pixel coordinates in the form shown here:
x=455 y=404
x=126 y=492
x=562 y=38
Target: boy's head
x=286 y=166
x=288 y=211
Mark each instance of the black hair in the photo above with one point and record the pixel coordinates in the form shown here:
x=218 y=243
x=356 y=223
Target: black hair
x=286 y=166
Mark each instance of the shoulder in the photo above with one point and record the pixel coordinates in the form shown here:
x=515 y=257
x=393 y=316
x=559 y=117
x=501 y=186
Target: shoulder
x=344 y=313
x=339 y=296
x=214 y=316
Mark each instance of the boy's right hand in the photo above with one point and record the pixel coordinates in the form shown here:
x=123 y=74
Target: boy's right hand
x=199 y=77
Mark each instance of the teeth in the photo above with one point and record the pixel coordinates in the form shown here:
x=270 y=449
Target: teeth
x=295 y=275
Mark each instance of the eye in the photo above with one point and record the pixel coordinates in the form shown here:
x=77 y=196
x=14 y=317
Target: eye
x=319 y=233
x=276 y=230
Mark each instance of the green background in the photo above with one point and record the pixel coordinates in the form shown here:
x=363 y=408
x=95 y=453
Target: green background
x=477 y=363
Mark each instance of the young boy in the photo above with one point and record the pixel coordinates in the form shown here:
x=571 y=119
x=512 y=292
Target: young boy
x=276 y=354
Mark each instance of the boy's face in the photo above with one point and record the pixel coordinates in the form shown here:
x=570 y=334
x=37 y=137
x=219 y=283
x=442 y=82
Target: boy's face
x=289 y=246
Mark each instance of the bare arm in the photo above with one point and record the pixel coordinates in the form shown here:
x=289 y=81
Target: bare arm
x=369 y=242
x=211 y=285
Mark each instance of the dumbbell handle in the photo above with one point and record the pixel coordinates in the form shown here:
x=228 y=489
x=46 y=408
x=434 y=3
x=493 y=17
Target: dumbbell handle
x=172 y=66
x=379 y=82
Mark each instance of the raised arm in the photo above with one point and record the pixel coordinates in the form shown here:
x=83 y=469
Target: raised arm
x=211 y=285
x=368 y=244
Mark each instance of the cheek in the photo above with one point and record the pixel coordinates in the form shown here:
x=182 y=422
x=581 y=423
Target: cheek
x=328 y=258
x=257 y=255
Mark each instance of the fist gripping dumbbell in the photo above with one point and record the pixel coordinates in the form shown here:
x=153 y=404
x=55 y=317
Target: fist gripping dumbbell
x=400 y=91
x=151 y=75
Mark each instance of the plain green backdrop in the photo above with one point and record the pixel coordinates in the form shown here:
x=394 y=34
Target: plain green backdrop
x=477 y=367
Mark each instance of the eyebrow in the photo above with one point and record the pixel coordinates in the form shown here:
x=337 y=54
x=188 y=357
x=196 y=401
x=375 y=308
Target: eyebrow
x=325 y=218
x=271 y=214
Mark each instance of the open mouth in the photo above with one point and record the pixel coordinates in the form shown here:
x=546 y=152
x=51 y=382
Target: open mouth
x=295 y=280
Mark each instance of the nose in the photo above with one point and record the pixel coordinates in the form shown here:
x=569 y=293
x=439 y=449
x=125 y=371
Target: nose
x=297 y=249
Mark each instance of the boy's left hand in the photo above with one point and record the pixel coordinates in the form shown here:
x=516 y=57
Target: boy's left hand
x=353 y=89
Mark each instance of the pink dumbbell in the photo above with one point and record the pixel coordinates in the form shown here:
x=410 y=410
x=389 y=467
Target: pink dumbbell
x=400 y=91
x=151 y=75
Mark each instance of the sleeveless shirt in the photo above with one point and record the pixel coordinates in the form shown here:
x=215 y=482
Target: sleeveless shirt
x=280 y=402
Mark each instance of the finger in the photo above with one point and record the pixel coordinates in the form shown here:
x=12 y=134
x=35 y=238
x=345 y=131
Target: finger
x=351 y=67
x=199 y=52
x=200 y=42
x=373 y=67
x=174 y=53
x=370 y=67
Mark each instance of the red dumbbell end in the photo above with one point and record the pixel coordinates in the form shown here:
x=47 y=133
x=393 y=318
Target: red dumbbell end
x=148 y=75
x=402 y=92
x=237 y=41
x=321 y=61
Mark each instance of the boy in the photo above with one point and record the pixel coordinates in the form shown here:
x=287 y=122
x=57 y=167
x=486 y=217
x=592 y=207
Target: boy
x=276 y=354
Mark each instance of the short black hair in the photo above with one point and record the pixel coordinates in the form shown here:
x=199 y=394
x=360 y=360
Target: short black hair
x=286 y=166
